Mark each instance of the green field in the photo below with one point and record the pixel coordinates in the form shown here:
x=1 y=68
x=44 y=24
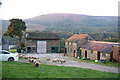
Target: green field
x=27 y=70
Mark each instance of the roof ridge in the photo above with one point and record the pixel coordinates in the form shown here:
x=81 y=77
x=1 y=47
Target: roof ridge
x=105 y=42
x=77 y=36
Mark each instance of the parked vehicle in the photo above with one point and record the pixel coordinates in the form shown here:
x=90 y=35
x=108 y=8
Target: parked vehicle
x=8 y=56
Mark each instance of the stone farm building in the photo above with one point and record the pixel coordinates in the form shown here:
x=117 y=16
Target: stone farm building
x=82 y=45
x=43 y=42
x=73 y=44
x=97 y=50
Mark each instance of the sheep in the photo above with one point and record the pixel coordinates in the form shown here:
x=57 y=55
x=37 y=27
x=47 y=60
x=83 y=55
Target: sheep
x=25 y=57
x=23 y=54
x=33 y=57
x=59 y=60
x=37 y=64
x=36 y=60
x=47 y=59
x=55 y=60
x=31 y=60
x=62 y=60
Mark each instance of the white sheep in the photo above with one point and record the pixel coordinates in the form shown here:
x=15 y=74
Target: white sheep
x=47 y=59
x=55 y=60
x=62 y=60
x=37 y=64
x=26 y=57
x=36 y=60
x=30 y=60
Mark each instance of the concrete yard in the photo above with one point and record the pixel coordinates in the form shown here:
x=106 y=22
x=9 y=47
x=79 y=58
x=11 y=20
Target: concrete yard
x=71 y=62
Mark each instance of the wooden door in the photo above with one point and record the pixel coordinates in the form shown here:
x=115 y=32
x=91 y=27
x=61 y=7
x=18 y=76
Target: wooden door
x=41 y=47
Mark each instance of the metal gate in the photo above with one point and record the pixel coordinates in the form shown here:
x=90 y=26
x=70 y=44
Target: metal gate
x=41 y=46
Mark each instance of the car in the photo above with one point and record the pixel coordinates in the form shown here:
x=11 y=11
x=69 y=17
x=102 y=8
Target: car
x=8 y=56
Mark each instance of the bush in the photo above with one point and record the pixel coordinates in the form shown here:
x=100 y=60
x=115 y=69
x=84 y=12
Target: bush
x=13 y=50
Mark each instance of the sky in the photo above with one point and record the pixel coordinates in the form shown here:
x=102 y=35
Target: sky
x=25 y=9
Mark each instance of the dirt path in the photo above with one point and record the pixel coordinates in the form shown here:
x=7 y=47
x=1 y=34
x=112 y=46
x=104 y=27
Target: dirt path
x=70 y=62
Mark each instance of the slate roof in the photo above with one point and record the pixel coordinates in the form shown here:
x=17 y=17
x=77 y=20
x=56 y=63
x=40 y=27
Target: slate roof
x=99 y=46
x=77 y=37
x=43 y=35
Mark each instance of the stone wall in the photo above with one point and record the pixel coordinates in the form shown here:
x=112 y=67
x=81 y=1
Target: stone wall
x=52 y=43
x=92 y=54
x=116 y=53
x=74 y=46
x=71 y=46
x=31 y=43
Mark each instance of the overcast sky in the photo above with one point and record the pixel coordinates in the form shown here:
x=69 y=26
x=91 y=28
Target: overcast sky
x=30 y=8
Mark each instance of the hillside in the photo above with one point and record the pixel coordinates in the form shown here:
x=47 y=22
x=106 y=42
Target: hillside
x=70 y=22
x=73 y=23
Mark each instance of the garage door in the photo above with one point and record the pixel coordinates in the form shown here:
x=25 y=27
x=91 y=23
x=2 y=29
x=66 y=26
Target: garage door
x=41 y=46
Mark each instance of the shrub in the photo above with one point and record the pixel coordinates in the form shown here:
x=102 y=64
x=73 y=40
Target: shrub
x=13 y=50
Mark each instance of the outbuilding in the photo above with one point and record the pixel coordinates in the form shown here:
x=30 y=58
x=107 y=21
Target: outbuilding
x=116 y=53
x=97 y=50
x=73 y=44
x=43 y=42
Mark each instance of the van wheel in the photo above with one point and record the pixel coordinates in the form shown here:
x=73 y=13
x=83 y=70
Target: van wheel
x=11 y=59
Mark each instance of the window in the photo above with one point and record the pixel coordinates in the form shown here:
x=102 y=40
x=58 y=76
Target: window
x=5 y=53
x=69 y=43
x=68 y=49
x=80 y=52
x=66 y=43
x=91 y=51
x=53 y=48
x=71 y=49
x=75 y=44
x=33 y=48
x=103 y=55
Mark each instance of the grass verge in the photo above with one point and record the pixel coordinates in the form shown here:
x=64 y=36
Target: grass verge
x=27 y=70
x=108 y=63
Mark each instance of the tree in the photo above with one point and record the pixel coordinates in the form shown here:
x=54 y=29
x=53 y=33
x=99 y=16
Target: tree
x=16 y=28
x=0 y=3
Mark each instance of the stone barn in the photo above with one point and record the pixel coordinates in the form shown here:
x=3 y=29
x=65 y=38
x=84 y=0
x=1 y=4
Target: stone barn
x=73 y=44
x=43 y=42
x=98 y=50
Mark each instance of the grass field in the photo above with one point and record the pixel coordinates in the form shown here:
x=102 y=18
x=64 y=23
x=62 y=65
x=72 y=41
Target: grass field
x=108 y=63
x=27 y=70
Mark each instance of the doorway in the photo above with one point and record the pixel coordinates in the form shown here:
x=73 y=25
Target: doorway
x=54 y=49
x=80 y=54
x=74 y=53
x=98 y=55
x=85 y=53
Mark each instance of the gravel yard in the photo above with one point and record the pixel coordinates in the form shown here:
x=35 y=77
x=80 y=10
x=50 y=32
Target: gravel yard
x=70 y=62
